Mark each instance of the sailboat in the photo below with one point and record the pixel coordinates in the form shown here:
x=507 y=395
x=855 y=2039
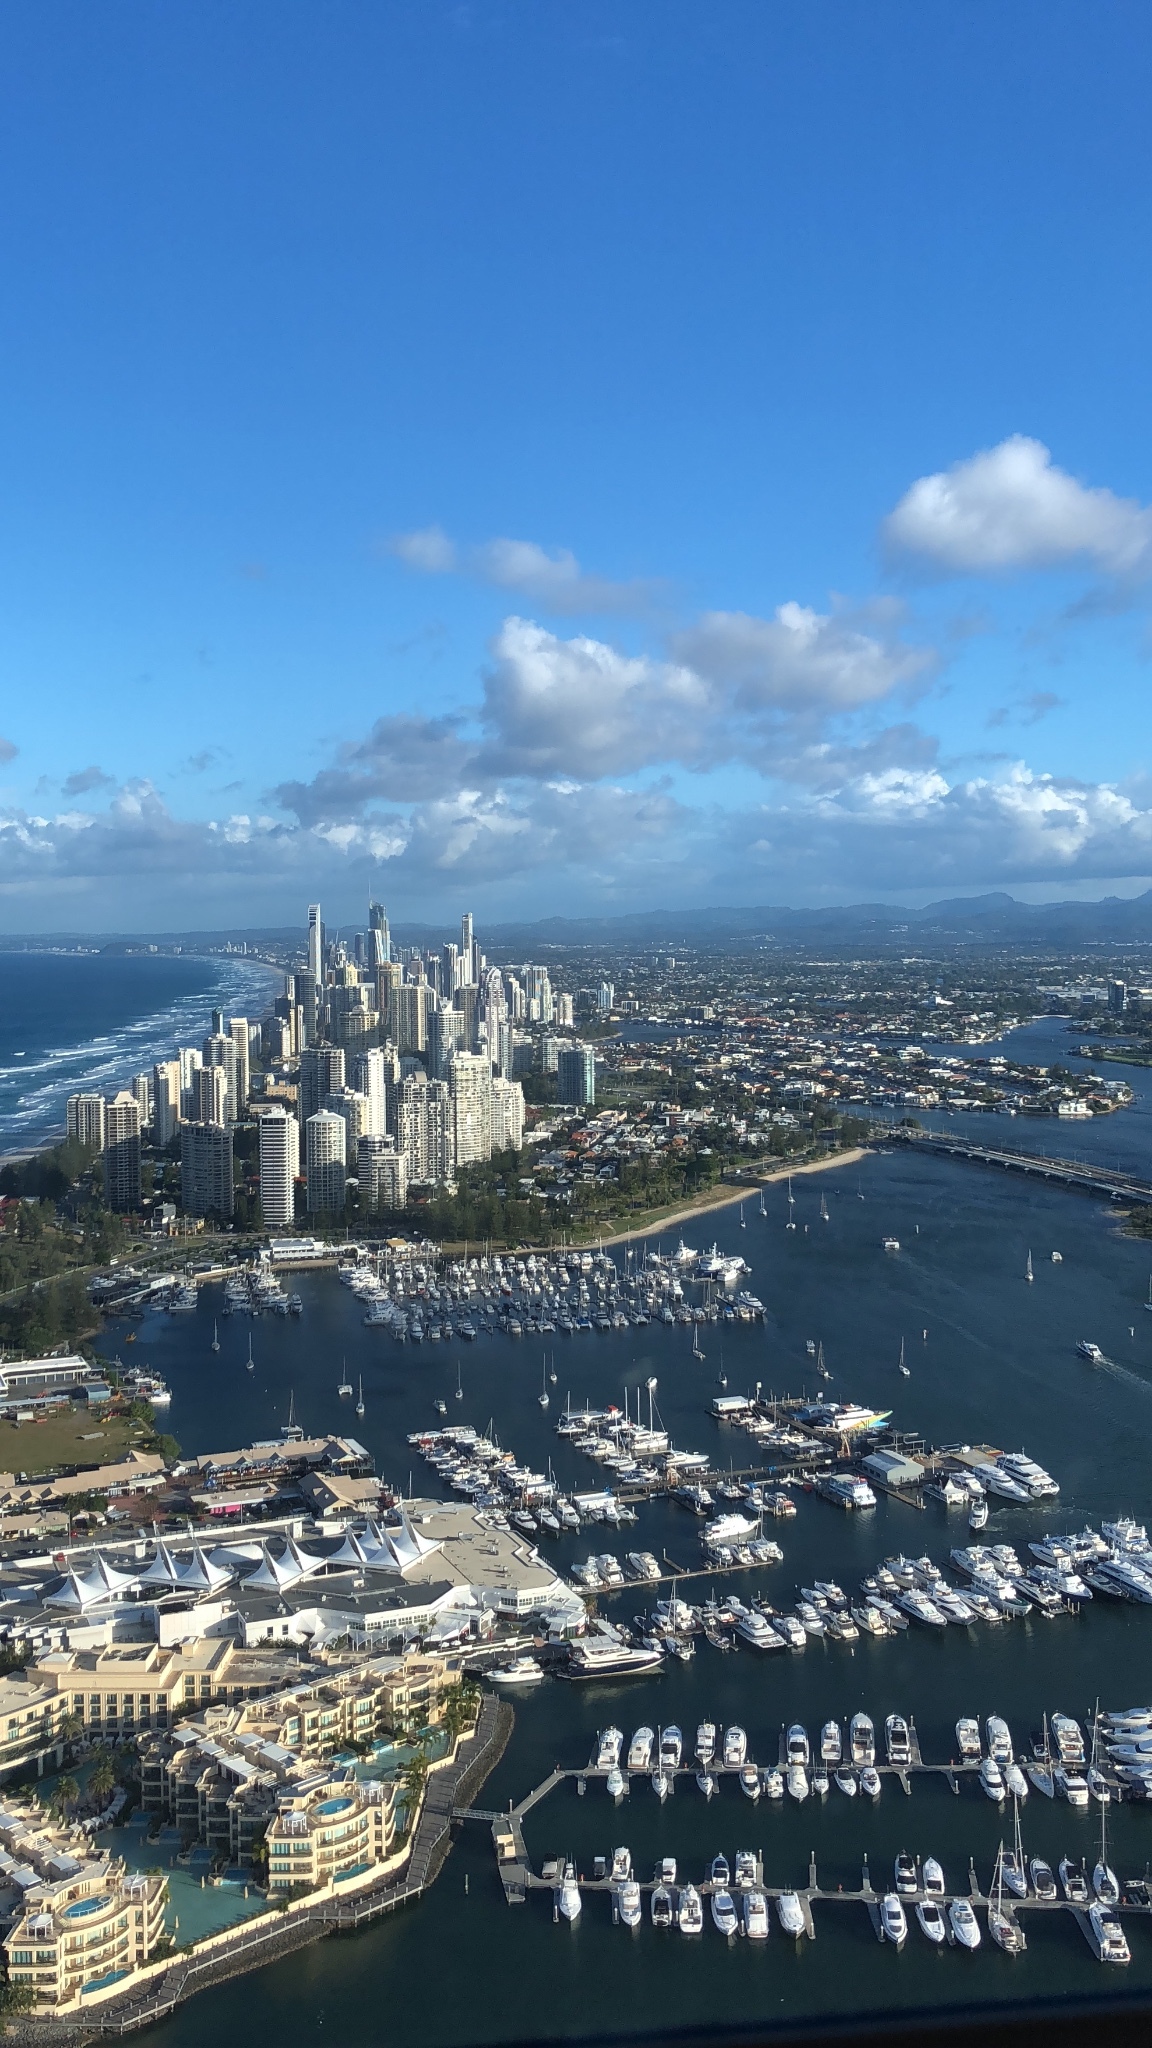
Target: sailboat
x=743 y=1224
x=764 y=1212
x=821 y=1368
x=1148 y=1303
x=345 y=1388
x=1097 y=1783
x=697 y=1350
x=1004 y=1928
x=1028 y=1268
x=459 y=1387
x=1040 y=1769
x=824 y=1216
x=542 y=1396
x=791 y=1223
x=552 y=1370
x=250 y=1362
x=215 y=1336
x=902 y=1367
x=360 y=1396
x=1104 y=1882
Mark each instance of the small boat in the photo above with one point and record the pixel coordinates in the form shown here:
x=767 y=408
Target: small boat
x=963 y=1922
x=790 y=1913
x=893 y=1920
x=931 y=1921
x=663 y=1910
x=706 y=1782
x=845 y=1781
x=1043 y=1882
x=933 y=1878
x=870 y=1782
x=978 y=1515
x=750 y=1781
x=1092 y=1352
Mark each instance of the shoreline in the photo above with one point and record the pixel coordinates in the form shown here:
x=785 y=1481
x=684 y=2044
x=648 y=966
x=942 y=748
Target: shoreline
x=717 y=1199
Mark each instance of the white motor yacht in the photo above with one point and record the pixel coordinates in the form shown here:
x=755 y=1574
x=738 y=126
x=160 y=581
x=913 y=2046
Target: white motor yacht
x=831 y=1743
x=616 y=1784
x=621 y=1869
x=690 y=1911
x=845 y=1781
x=750 y=1781
x=608 y=1746
x=968 y=1739
x=904 y=1871
x=754 y=1629
x=745 y=1871
x=964 y=1924
x=755 y=1916
x=999 y=1739
x=568 y=1900
x=661 y=1785
x=933 y=1878
x=1111 y=1940
x=992 y=1780
x=724 y=1914
x=870 y=1781
x=1071 y=1786
x=735 y=1747
x=706 y=1783
x=1074 y=1882
x=629 y=1904
x=706 y=1741
x=671 y=1749
x=893 y=1920
x=640 y=1750
x=520 y=1672
x=773 y=1784
x=797 y=1782
x=797 y=1747
x=862 y=1740
x=1016 y=1784
x=790 y=1914
x=898 y=1740
x=663 y=1906
x=1043 y=1882
x=931 y=1921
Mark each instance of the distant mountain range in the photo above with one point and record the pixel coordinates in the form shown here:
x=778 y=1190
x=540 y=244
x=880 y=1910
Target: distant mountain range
x=988 y=920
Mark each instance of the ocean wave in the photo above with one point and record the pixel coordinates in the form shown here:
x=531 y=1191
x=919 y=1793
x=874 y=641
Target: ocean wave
x=34 y=1092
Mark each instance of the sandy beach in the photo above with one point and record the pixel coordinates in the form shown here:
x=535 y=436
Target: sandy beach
x=726 y=1196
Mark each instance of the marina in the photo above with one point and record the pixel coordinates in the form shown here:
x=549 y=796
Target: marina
x=997 y=1371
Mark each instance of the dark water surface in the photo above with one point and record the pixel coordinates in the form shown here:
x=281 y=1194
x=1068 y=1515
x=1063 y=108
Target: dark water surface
x=998 y=1365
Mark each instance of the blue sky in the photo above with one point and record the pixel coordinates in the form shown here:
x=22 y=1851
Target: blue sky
x=559 y=456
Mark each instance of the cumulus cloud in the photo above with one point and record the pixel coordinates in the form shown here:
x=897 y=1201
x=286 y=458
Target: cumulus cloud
x=403 y=759
x=84 y=779
x=552 y=578
x=581 y=708
x=801 y=660
x=1011 y=508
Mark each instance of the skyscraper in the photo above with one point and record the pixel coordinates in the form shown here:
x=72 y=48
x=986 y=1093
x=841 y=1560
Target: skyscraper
x=190 y=1064
x=369 y=1071
x=354 y=1109
x=165 y=1101
x=382 y=1174
x=314 y=978
x=86 y=1120
x=122 y=1153
x=379 y=937
x=210 y=1096
x=206 y=1173
x=279 y=1166
x=446 y=1033
x=238 y=1032
x=321 y=1074
x=507 y=1116
x=576 y=1074
x=470 y=1081
x=325 y=1142
x=221 y=1051
x=424 y=1128
x=141 y=1086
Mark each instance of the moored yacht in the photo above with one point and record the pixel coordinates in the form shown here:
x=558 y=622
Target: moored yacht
x=735 y=1747
x=790 y=1914
x=755 y=1916
x=568 y=1900
x=690 y=1911
x=964 y=1924
x=893 y=1920
x=831 y=1742
x=629 y=1904
x=640 y=1750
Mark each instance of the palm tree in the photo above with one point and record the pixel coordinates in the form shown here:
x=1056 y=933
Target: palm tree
x=102 y=1777
x=65 y=1792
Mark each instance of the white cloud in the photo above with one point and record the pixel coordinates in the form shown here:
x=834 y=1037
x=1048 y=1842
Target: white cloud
x=800 y=660
x=552 y=578
x=580 y=708
x=1009 y=507
x=429 y=550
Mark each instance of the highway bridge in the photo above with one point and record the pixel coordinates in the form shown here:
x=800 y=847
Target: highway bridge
x=1075 y=1173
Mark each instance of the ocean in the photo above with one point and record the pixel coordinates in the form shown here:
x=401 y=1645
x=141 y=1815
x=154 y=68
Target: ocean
x=71 y=1021
x=992 y=1360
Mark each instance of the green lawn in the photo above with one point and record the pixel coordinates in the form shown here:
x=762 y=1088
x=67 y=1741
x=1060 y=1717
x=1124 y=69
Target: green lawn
x=59 y=1441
